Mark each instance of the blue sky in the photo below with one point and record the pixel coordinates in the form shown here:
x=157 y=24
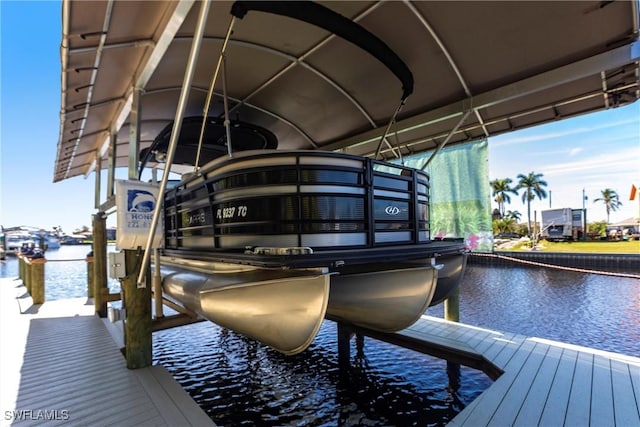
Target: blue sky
x=591 y=152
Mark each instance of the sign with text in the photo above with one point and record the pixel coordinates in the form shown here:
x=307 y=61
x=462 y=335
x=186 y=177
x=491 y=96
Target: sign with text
x=135 y=203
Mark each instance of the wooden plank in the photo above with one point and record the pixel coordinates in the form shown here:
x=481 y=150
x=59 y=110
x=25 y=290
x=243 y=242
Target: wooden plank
x=634 y=369
x=602 y=410
x=173 y=402
x=490 y=399
x=579 y=407
x=533 y=405
x=489 y=341
x=497 y=345
x=164 y=405
x=68 y=361
x=555 y=409
x=625 y=402
x=191 y=411
x=507 y=411
x=509 y=349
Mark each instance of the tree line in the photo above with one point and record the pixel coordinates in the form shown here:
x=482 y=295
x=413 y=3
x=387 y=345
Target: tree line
x=533 y=186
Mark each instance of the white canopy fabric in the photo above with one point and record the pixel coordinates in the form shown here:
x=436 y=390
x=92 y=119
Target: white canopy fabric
x=482 y=68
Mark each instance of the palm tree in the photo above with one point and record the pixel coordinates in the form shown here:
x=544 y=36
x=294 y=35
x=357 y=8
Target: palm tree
x=532 y=184
x=501 y=190
x=610 y=199
x=515 y=215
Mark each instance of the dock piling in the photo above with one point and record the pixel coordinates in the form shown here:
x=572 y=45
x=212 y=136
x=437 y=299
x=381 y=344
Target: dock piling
x=90 y=273
x=344 y=343
x=100 y=286
x=35 y=268
x=138 y=322
x=452 y=306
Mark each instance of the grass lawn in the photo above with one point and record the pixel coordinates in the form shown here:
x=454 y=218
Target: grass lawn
x=603 y=247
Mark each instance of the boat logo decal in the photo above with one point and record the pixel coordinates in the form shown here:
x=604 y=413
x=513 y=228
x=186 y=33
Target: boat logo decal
x=140 y=201
x=392 y=210
x=198 y=218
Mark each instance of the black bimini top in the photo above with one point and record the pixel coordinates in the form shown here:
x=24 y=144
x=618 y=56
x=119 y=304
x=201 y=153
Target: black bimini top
x=244 y=136
x=335 y=23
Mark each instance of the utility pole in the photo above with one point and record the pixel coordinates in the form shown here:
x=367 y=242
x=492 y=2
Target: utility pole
x=584 y=215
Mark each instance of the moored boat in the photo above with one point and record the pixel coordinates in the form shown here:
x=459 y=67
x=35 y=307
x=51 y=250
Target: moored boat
x=268 y=242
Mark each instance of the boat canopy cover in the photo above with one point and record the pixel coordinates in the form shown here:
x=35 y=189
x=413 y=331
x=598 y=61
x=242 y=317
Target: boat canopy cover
x=480 y=69
x=244 y=136
x=323 y=17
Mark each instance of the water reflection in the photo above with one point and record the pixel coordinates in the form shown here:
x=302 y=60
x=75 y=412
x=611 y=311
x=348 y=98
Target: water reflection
x=241 y=382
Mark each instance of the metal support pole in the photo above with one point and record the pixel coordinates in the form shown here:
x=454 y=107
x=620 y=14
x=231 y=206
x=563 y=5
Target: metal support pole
x=134 y=133
x=177 y=124
x=111 y=174
x=447 y=139
x=98 y=181
x=157 y=286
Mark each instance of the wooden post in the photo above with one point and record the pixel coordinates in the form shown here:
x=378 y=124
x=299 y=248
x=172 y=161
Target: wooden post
x=452 y=306
x=137 y=303
x=36 y=266
x=22 y=269
x=90 y=273
x=100 y=286
x=344 y=344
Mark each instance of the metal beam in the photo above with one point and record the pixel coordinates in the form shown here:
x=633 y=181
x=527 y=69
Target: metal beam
x=134 y=133
x=164 y=41
x=550 y=79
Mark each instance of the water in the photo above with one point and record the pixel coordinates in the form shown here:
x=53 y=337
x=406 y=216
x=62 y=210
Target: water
x=597 y=311
x=64 y=279
x=240 y=382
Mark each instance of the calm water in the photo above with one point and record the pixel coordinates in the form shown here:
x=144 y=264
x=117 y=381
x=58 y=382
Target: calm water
x=240 y=382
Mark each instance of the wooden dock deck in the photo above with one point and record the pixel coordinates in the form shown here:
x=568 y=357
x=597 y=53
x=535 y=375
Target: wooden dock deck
x=543 y=382
x=59 y=365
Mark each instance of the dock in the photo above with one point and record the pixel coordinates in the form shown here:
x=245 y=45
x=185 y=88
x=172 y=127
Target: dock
x=541 y=382
x=60 y=365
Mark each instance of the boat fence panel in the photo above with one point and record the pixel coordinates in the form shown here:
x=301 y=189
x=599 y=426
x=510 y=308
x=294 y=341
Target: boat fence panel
x=321 y=200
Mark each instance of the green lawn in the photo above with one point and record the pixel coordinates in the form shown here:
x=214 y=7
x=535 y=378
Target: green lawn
x=603 y=247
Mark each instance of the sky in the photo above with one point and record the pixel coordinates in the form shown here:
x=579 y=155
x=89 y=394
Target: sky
x=590 y=153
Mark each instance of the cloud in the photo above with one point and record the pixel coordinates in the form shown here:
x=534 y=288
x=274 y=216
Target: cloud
x=624 y=161
x=507 y=140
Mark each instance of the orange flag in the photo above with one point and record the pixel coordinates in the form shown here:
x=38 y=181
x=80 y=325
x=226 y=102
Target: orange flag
x=634 y=190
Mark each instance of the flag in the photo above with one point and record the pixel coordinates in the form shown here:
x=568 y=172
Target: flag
x=634 y=190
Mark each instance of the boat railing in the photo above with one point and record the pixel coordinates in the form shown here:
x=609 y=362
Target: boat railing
x=324 y=201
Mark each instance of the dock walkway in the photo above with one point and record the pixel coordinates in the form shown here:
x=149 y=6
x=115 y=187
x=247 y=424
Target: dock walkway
x=60 y=365
x=544 y=382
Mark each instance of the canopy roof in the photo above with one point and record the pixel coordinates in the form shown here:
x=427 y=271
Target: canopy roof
x=489 y=67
